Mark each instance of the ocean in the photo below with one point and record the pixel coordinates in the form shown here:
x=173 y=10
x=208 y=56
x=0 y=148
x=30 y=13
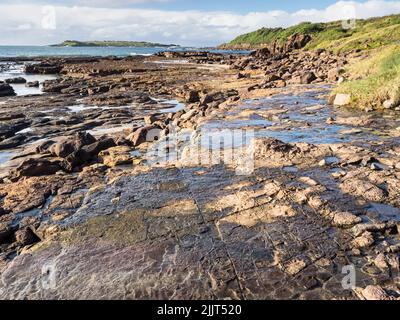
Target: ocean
x=42 y=51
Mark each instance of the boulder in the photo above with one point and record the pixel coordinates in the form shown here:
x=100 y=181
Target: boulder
x=71 y=144
x=3 y=211
x=364 y=241
x=334 y=74
x=35 y=167
x=345 y=219
x=271 y=77
x=342 y=99
x=143 y=134
x=192 y=96
x=307 y=78
x=86 y=154
x=18 y=80
x=26 y=236
x=33 y=84
x=5 y=232
x=116 y=156
x=6 y=90
x=43 y=68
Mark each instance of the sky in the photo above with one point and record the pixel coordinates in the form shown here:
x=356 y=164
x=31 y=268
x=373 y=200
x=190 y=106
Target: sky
x=183 y=22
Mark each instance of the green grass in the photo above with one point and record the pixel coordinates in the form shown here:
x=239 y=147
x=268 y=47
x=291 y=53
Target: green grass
x=375 y=79
x=368 y=34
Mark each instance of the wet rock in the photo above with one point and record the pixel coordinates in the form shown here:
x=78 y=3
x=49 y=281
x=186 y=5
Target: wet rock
x=86 y=154
x=376 y=166
x=44 y=67
x=264 y=146
x=188 y=115
x=375 y=292
x=364 y=241
x=44 y=146
x=5 y=232
x=97 y=90
x=373 y=227
x=241 y=76
x=12 y=142
x=18 y=80
x=71 y=144
x=328 y=161
x=6 y=90
x=380 y=261
x=3 y=211
x=271 y=77
x=11 y=116
x=342 y=99
x=32 y=84
x=345 y=219
x=54 y=86
x=364 y=189
x=35 y=167
x=26 y=236
x=192 y=96
x=330 y=120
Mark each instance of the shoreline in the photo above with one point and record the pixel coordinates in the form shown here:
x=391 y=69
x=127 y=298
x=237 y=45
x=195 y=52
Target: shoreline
x=323 y=186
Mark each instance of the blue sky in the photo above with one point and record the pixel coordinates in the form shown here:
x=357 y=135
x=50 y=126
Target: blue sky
x=184 y=22
x=239 y=6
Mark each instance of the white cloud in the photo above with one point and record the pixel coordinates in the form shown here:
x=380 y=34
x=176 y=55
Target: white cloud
x=182 y=27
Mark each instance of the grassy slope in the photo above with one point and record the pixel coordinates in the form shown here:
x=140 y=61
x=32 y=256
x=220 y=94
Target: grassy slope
x=375 y=79
x=372 y=80
x=74 y=43
x=368 y=34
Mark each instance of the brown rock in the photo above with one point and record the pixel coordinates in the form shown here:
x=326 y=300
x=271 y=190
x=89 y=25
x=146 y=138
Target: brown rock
x=116 y=156
x=150 y=119
x=5 y=232
x=35 y=167
x=345 y=219
x=71 y=144
x=307 y=78
x=143 y=134
x=192 y=96
x=363 y=241
x=375 y=293
x=26 y=236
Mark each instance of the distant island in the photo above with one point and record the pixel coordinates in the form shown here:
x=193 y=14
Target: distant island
x=75 y=43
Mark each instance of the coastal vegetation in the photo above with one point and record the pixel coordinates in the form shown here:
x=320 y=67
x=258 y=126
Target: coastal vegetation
x=337 y=36
x=375 y=81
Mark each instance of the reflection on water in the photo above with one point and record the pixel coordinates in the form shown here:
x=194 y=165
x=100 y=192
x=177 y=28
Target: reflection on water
x=292 y=119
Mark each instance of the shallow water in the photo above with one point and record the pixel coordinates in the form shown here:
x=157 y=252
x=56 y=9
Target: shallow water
x=16 y=70
x=176 y=106
x=5 y=156
x=110 y=130
x=303 y=119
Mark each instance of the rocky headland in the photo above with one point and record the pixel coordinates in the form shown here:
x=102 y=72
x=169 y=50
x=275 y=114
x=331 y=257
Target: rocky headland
x=87 y=211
